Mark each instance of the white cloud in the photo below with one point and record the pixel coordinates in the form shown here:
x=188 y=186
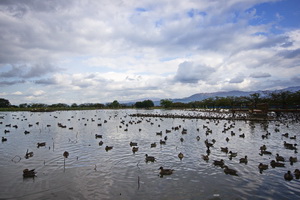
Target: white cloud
x=104 y=50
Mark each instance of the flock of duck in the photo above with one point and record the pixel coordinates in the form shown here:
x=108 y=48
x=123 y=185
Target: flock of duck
x=229 y=131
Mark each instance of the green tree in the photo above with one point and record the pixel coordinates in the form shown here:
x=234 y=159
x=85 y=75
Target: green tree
x=144 y=104
x=166 y=103
x=4 y=103
x=114 y=104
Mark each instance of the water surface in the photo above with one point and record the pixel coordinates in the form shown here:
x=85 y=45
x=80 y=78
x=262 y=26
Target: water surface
x=90 y=172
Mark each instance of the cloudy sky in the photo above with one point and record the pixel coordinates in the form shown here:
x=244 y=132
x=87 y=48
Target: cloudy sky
x=86 y=51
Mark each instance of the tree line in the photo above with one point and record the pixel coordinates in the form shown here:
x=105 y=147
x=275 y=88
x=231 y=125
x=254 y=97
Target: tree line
x=277 y=99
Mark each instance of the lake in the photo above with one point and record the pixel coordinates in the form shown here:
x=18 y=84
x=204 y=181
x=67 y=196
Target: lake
x=91 y=172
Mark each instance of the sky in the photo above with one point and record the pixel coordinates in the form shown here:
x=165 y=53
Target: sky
x=86 y=51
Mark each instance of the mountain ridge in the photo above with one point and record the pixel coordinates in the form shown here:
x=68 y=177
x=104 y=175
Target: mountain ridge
x=205 y=95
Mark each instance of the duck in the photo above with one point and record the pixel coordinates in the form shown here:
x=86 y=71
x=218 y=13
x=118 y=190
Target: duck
x=293 y=159
x=135 y=149
x=107 y=148
x=153 y=145
x=244 y=160
x=66 y=154
x=133 y=144
x=149 y=158
x=28 y=154
x=181 y=139
x=4 y=139
x=263 y=148
x=180 y=156
x=219 y=163
x=41 y=144
x=279 y=158
x=288 y=176
x=263 y=166
x=205 y=157
x=297 y=173
x=198 y=138
x=29 y=173
x=242 y=135
x=276 y=164
x=101 y=143
x=264 y=152
x=224 y=149
x=98 y=136
x=232 y=154
x=162 y=142
x=227 y=170
x=165 y=171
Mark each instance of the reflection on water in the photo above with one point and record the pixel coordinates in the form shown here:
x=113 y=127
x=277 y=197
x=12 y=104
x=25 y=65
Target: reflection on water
x=90 y=172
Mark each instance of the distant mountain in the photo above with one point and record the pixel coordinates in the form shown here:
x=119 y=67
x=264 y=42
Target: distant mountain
x=235 y=93
x=202 y=96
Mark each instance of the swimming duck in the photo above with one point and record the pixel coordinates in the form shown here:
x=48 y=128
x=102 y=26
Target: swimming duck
x=162 y=142
x=232 y=154
x=101 y=143
x=4 y=139
x=279 y=158
x=297 y=173
x=262 y=166
x=288 y=176
x=276 y=164
x=263 y=148
x=98 y=136
x=29 y=173
x=244 y=160
x=107 y=148
x=198 y=138
x=149 y=158
x=153 y=144
x=242 y=135
x=135 y=149
x=293 y=159
x=205 y=157
x=28 y=154
x=133 y=144
x=224 y=149
x=66 y=154
x=180 y=156
x=227 y=170
x=41 y=144
x=165 y=171
x=264 y=152
x=219 y=163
